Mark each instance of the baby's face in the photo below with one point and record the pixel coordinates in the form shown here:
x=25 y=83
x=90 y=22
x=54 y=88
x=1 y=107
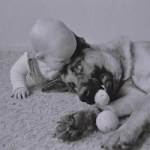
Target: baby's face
x=52 y=62
x=45 y=55
x=54 y=59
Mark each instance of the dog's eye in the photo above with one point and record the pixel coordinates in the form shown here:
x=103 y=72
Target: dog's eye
x=78 y=67
x=71 y=87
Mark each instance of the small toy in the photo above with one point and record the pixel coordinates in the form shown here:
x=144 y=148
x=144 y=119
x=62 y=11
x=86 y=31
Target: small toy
x=107 y=121
x=102 y=98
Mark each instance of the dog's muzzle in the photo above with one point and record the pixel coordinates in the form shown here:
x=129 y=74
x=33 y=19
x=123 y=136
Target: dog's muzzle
x=88 y=90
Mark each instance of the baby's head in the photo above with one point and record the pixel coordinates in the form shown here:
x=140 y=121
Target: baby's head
x=53 y=42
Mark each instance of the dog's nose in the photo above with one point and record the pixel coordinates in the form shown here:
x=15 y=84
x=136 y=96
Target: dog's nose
x=83 y=93
x=87 y=90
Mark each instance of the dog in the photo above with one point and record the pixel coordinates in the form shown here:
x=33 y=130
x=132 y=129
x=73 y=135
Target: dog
x=122 y=67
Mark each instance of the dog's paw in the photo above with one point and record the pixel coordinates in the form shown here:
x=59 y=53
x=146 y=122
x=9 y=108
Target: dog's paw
x=72 y=127
x=117 y=140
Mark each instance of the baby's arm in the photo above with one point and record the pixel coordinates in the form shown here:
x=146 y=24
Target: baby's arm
x=18 y=74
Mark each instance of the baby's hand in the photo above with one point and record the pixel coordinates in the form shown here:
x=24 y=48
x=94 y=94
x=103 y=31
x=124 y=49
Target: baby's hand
x=21 y=93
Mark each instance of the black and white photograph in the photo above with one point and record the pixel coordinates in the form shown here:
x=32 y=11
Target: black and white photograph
x=75 y=74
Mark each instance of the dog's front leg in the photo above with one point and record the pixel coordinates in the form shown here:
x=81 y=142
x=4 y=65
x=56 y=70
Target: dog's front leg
x=73 y=126
x=130 y=98
x=131 y=129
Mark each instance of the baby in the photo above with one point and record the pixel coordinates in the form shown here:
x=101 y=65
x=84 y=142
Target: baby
x=54 y=44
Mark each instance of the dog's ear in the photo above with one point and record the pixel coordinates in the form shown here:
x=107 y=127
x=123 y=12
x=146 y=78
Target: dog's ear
x=56 y=85
x=81 y=45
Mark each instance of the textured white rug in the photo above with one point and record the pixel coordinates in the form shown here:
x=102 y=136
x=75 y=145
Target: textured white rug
x=29 y=124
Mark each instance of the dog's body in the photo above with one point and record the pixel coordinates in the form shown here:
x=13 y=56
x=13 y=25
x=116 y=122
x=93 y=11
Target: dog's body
x=123 y=68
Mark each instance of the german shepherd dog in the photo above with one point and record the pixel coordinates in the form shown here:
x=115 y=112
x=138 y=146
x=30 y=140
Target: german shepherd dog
x=123 y=68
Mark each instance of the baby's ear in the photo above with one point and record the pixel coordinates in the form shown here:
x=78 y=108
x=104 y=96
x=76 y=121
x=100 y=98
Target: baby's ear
x=56 y=85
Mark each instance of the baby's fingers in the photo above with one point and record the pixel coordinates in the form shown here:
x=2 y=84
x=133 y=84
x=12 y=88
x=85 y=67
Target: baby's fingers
x=20 y=95
x=27 y=93
x=17 y=95
x=23 y=95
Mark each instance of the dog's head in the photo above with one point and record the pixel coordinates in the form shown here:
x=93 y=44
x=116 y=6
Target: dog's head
x=90 y=69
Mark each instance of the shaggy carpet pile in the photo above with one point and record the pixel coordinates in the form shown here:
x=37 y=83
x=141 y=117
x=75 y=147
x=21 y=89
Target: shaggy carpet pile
x=29 y=124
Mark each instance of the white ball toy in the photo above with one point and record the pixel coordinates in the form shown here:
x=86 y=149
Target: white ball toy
x=107 y=121
x=102 y=98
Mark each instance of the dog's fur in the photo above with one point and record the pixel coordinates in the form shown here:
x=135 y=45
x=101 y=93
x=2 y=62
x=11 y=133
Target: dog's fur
x=122 y=66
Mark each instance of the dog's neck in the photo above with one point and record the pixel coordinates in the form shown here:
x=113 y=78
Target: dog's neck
x=121 y=50
x=124 y=49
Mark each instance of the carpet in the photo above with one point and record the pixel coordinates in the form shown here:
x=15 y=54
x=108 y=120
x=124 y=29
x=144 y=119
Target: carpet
x=29 y=124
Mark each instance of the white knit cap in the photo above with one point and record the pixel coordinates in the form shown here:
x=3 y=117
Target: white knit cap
x=55 y=37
